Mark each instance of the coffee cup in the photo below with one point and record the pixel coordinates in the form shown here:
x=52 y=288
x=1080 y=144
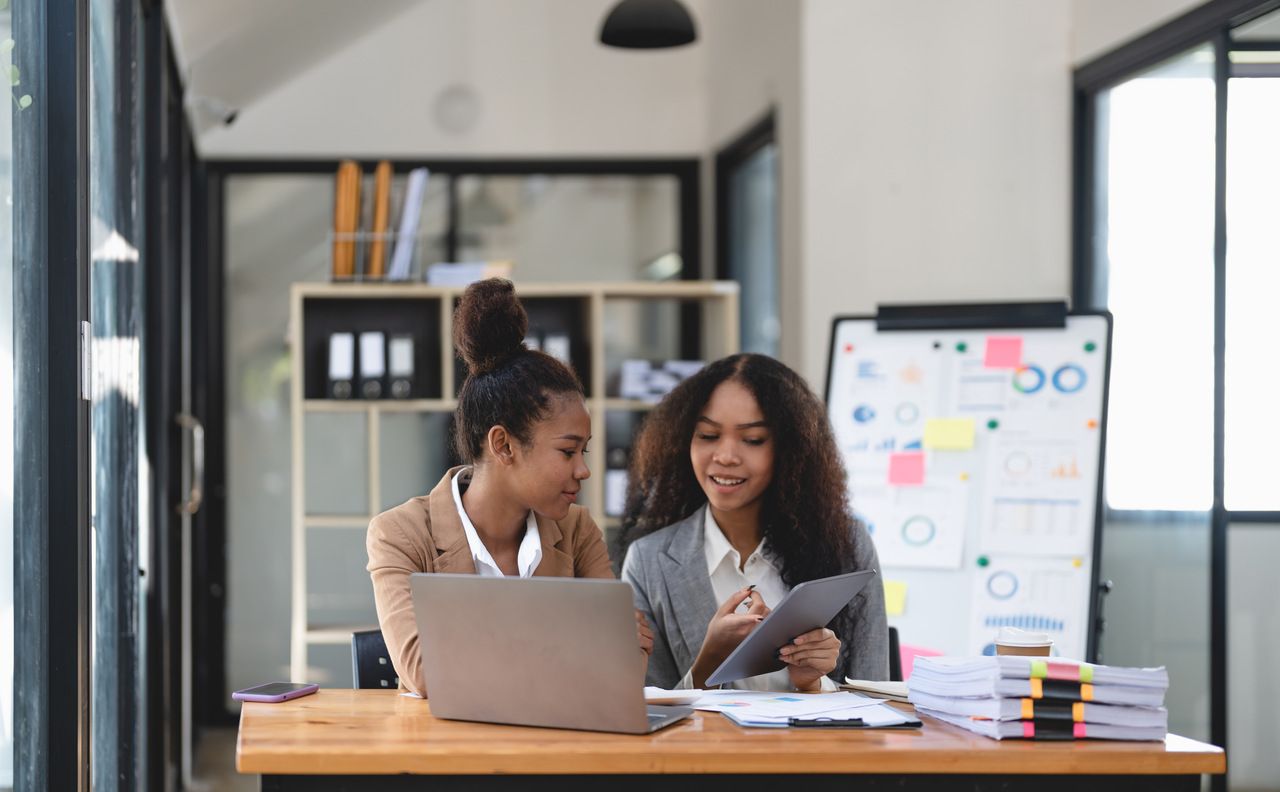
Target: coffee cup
x=1012 y=641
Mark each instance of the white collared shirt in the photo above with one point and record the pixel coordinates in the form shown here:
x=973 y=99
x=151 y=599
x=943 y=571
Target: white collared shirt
x=527 y=557
x=728 y=575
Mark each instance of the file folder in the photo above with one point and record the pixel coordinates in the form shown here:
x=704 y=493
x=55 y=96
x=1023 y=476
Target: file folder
x=400 y=365
x=373 y=364
x=342 y=365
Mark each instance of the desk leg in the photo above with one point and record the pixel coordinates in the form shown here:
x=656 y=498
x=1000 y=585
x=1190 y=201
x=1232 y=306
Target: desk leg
x=742 y=783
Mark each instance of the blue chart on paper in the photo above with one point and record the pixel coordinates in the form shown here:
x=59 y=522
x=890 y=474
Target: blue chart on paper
x=1026 y=621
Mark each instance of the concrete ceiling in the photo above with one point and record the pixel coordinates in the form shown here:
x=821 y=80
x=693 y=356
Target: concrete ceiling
x=231 y=52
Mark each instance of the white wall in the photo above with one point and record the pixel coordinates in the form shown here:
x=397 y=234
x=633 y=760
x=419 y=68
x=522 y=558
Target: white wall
x=539 y=82
x=936 y=156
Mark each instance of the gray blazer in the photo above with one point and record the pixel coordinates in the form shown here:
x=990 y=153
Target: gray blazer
x=668 y=572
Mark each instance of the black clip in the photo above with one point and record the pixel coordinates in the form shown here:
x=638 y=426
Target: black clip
x=827 y=723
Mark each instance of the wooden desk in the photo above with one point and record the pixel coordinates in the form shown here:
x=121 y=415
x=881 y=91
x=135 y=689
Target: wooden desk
x=368 y=739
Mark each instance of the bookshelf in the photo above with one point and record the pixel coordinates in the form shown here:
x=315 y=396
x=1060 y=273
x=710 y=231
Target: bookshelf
x=605 y=322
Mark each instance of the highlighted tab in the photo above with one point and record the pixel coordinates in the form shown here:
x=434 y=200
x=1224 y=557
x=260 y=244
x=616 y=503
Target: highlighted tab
x=1079 y=731
x=895 y=597
x=1037 y=688
x=1086 y=692
x=1003 y=352
x=906 y=469
x=1039 y=669
x=1028 y=709
x=949 y=434
x=1077 y=711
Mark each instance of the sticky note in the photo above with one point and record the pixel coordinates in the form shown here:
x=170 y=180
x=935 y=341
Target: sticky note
x=906 y=469
x=895 y=597
x=1003 y=352
x=949 y=434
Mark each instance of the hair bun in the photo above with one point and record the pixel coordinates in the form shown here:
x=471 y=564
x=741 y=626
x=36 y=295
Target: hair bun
x=489 y=325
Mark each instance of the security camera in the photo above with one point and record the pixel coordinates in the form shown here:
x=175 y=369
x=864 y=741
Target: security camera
x=213 y=108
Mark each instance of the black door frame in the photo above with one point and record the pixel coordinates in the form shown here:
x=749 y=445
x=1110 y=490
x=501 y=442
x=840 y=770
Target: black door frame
x=1211 y=24
x=210 y=571
x=168 y=156
x=51 y=426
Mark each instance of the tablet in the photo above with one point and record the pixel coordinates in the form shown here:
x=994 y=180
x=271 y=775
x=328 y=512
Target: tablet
x=810 y=605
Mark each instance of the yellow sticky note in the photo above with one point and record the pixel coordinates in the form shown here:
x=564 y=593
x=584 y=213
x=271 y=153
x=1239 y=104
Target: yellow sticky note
x=895 y=597
x=948 y=434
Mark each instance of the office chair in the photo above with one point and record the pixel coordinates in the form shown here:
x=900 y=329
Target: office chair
x=895 y=656
x=371 y=666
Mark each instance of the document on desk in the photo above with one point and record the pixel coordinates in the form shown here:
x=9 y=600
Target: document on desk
x=780 y=710
x=767 y=705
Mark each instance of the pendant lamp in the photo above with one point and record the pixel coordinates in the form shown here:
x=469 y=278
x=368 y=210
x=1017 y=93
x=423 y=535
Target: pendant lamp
x=648 y=24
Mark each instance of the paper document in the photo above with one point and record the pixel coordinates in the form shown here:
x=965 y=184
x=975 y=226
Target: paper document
x=897 y=691
x=765 y=708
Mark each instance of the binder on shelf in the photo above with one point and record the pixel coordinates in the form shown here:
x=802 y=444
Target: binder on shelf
x=377 y=265
x=400 y=365
x=373 y=364
x=415 y=193
x=346 y=220
x=557 y=346
x=342 y=365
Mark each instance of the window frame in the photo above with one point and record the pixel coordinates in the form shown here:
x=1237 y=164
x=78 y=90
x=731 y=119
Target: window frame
x=1209 y=24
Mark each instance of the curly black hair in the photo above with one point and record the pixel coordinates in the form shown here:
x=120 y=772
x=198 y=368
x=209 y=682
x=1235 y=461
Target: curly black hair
x=804 y=516
x=507 y=384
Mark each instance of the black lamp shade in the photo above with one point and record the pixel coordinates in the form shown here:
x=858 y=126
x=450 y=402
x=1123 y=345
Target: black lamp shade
x=648 y=24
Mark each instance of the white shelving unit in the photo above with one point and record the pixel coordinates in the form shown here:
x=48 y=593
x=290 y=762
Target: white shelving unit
x=593 y=304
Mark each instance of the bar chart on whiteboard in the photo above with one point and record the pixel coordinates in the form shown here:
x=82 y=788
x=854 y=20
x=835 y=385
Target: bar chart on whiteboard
x=973 y=458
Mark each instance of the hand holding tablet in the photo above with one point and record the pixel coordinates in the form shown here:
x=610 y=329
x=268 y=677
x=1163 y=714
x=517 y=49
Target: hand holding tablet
x=809 y=606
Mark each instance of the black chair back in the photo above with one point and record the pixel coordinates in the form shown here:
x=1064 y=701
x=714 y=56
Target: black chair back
x=371 y=666
x=895 y=656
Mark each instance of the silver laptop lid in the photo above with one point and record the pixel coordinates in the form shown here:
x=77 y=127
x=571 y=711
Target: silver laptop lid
x=556 y=652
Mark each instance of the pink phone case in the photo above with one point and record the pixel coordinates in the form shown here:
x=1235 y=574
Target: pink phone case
x=249 y=695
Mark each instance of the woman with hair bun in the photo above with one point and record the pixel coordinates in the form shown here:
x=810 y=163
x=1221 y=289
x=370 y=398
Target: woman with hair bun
x=522 y=429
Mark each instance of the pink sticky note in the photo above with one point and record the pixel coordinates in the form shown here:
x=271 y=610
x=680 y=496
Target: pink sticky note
x=1003 y=352
x=906 y=469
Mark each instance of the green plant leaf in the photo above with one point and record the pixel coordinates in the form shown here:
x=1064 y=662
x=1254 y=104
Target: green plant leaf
x=6 y=45
x=25 y=101
x=13 y=74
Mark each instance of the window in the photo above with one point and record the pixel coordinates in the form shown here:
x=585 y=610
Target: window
x=1175 y=233
x=1153 y=250
x=1253 y=280
x=555 y=221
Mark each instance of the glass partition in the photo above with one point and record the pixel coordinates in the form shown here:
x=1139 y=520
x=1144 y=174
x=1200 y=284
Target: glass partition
x=1153 y=248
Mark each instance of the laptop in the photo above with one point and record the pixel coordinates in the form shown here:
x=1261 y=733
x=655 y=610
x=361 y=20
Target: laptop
x=556 y=652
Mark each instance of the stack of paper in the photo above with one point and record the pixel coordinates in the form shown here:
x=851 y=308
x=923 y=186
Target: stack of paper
x=778 y=710
x=1042 y=698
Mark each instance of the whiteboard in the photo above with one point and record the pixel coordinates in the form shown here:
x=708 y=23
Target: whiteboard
x=973 y=456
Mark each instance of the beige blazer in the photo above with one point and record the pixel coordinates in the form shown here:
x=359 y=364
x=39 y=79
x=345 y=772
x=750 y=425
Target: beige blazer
x=424 y=534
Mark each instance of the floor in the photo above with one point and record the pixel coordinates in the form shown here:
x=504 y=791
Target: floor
x=216 y=764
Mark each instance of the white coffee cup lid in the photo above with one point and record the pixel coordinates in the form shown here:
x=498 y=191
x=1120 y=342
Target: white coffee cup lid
x=1012 y=636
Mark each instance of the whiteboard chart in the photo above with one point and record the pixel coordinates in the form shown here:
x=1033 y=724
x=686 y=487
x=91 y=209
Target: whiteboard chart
x=973 y=451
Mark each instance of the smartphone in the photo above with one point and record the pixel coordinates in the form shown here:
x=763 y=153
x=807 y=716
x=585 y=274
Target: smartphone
x=273 y=692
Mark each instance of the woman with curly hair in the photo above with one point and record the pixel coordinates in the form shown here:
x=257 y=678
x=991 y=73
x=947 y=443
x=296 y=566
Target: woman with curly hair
x=737 y=494
x=522 y=428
